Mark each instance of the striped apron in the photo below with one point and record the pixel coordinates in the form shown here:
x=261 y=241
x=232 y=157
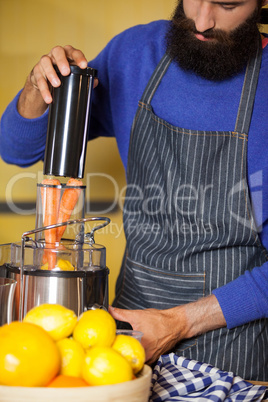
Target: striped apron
x=189 y=225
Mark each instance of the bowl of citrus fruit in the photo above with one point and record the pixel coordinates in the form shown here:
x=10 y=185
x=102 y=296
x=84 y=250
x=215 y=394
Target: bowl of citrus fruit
x=54 y=354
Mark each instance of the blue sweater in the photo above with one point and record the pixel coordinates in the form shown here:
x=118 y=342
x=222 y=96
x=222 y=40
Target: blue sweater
x=183 y=99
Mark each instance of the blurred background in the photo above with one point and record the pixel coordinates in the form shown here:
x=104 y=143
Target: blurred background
x=29 y=29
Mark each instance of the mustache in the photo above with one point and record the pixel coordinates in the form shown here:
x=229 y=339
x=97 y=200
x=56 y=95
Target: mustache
x=189 y=27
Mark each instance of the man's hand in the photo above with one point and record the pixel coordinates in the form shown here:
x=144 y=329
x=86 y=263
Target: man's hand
x=44 y=72
x=163 y=329
x=36 y=94
x=160 y=332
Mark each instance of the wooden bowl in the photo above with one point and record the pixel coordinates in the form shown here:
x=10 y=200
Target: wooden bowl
x=131 y=391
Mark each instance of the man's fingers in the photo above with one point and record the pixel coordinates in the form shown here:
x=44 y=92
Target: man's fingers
x=117 y=313
x=39 y=81
x=121 y=314
x=59 y=57
x=46 y=69
x=44 y=72
x=76 y=56
x=96 y=82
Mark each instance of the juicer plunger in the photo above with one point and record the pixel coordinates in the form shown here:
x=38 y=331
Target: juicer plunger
x=68 y=123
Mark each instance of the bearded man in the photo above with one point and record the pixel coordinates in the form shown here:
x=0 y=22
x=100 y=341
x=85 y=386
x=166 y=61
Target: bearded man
x=187 y=102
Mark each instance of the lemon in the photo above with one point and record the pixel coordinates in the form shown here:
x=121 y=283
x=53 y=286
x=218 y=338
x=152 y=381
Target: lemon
x=44 y=267
x=28 y=355
x=95 y=328
x=104 y=365
x=64 y=265
x=132 y=350
x=72 y=357
x=57 y=320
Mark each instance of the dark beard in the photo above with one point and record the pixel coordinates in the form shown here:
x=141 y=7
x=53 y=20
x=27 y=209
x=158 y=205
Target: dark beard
x=214 y=60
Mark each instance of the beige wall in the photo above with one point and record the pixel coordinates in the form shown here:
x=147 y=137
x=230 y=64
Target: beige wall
x=30 y=28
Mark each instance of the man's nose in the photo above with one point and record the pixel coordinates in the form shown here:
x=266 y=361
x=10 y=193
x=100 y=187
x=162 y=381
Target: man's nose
x=205 y=19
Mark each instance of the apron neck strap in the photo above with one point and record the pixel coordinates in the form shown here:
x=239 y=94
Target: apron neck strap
x=248 y=92
x=156 y=78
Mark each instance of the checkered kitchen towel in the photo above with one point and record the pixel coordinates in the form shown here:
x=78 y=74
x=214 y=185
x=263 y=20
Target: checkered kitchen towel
x=176 y=378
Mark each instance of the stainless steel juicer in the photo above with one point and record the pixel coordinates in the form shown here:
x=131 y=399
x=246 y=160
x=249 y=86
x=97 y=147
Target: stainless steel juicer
x=80 y=284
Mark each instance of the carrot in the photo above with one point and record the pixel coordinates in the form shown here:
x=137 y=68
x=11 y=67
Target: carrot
x=51 y=199
x=68 y=201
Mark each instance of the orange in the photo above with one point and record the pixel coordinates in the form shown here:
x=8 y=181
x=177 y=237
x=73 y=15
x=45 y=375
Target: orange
x=95 y=328
x=66 y=381
x=104 y=366
x=131 y=349
x=28 y=355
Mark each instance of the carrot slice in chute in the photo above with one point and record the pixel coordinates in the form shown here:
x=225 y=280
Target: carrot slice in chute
x=51 y=200
x=68 y=201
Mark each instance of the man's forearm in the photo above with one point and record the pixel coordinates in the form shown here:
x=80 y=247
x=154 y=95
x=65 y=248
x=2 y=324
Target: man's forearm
x=202 y=316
